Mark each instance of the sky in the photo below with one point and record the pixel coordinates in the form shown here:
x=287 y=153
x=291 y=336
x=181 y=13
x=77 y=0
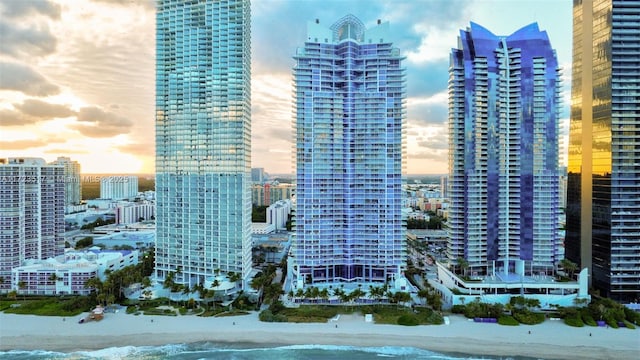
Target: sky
x=77 y=77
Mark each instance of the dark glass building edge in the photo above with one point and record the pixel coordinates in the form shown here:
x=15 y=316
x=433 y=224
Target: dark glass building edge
x=603 y=203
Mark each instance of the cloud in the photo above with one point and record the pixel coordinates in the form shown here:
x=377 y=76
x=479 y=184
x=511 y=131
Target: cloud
x=281 y=133
x=63 y=151
x=95 y=122
x=20 y=77
x=274 y=49
x=429 y=155
x=146 y=3
x=28 y=143
x=32 y=41
x=44 y=110
x=22 y=144
x=10 y=117
x=95 y=131
x=32 y=111
x=426 y=79
x=435 y=143
x=95 y=114
x=21 y=8
x=431 y=110
x=106 y=57
x=138 y=149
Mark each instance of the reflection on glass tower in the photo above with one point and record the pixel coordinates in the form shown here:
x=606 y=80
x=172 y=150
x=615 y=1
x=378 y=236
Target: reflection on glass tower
x=503 y=152
x=349 y=108
x=203 y=150
x=603 y=200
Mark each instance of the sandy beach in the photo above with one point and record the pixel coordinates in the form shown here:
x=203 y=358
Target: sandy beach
x=550 y=340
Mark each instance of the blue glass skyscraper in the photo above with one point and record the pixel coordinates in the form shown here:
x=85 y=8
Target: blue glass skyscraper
x=349 y=121
x=503 y=151
x=203 y=134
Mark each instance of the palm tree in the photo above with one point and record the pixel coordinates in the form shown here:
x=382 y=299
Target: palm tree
x=234 y=277
x=95 y=284
x=324 y=294
x=357 y=294
x=308 y=292
x=344 y=297
x=463 y=264
x=436 y=301
x=377 y=292
x=509 y=307
x=402 y=297
x=423 y=294
x=22 y=285
x=168 y=280
x=569 y=267
x=315 y=293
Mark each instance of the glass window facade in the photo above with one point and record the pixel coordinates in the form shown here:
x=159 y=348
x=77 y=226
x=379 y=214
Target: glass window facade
x=203 y=133
x=603 y=203
x=503 y=151
x=349 y=123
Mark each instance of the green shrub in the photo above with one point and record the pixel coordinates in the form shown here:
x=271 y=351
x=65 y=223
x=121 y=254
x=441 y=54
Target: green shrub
x=611 y=322
x=508 y=320
x=587 y=318
x=629 y=325
x=632 y=316
x=457 y=309
x=574 y=321
x=268 y=316
x=408 y=320
x=525 y=316
x=480 y=309
x=435 y=318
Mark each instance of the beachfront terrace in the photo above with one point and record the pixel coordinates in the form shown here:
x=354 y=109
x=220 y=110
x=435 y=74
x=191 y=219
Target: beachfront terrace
x=500 y=287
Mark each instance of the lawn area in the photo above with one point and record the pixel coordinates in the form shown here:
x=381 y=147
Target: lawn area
x=53 y=306
x=382 y=314
x=233 y=313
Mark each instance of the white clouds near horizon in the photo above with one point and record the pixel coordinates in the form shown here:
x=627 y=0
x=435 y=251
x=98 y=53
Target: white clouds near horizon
x=86 y=70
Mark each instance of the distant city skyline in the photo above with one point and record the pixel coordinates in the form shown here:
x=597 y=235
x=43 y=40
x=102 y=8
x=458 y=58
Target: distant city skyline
x=78 y=81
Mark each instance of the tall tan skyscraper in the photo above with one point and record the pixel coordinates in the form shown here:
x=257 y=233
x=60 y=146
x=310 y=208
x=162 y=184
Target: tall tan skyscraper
x=72 y=183
x=603 y=201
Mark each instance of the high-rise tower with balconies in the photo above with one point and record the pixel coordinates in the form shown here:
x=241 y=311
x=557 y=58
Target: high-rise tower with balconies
x=349 y=122
x=503 y=152
x=32 y=199
x=203 y=139
x=73 y=185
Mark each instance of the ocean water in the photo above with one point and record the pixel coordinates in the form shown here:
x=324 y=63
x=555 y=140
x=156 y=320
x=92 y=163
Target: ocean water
x=209 y=351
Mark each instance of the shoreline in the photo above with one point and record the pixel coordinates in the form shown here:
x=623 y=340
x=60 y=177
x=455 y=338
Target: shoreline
x=550 y=340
